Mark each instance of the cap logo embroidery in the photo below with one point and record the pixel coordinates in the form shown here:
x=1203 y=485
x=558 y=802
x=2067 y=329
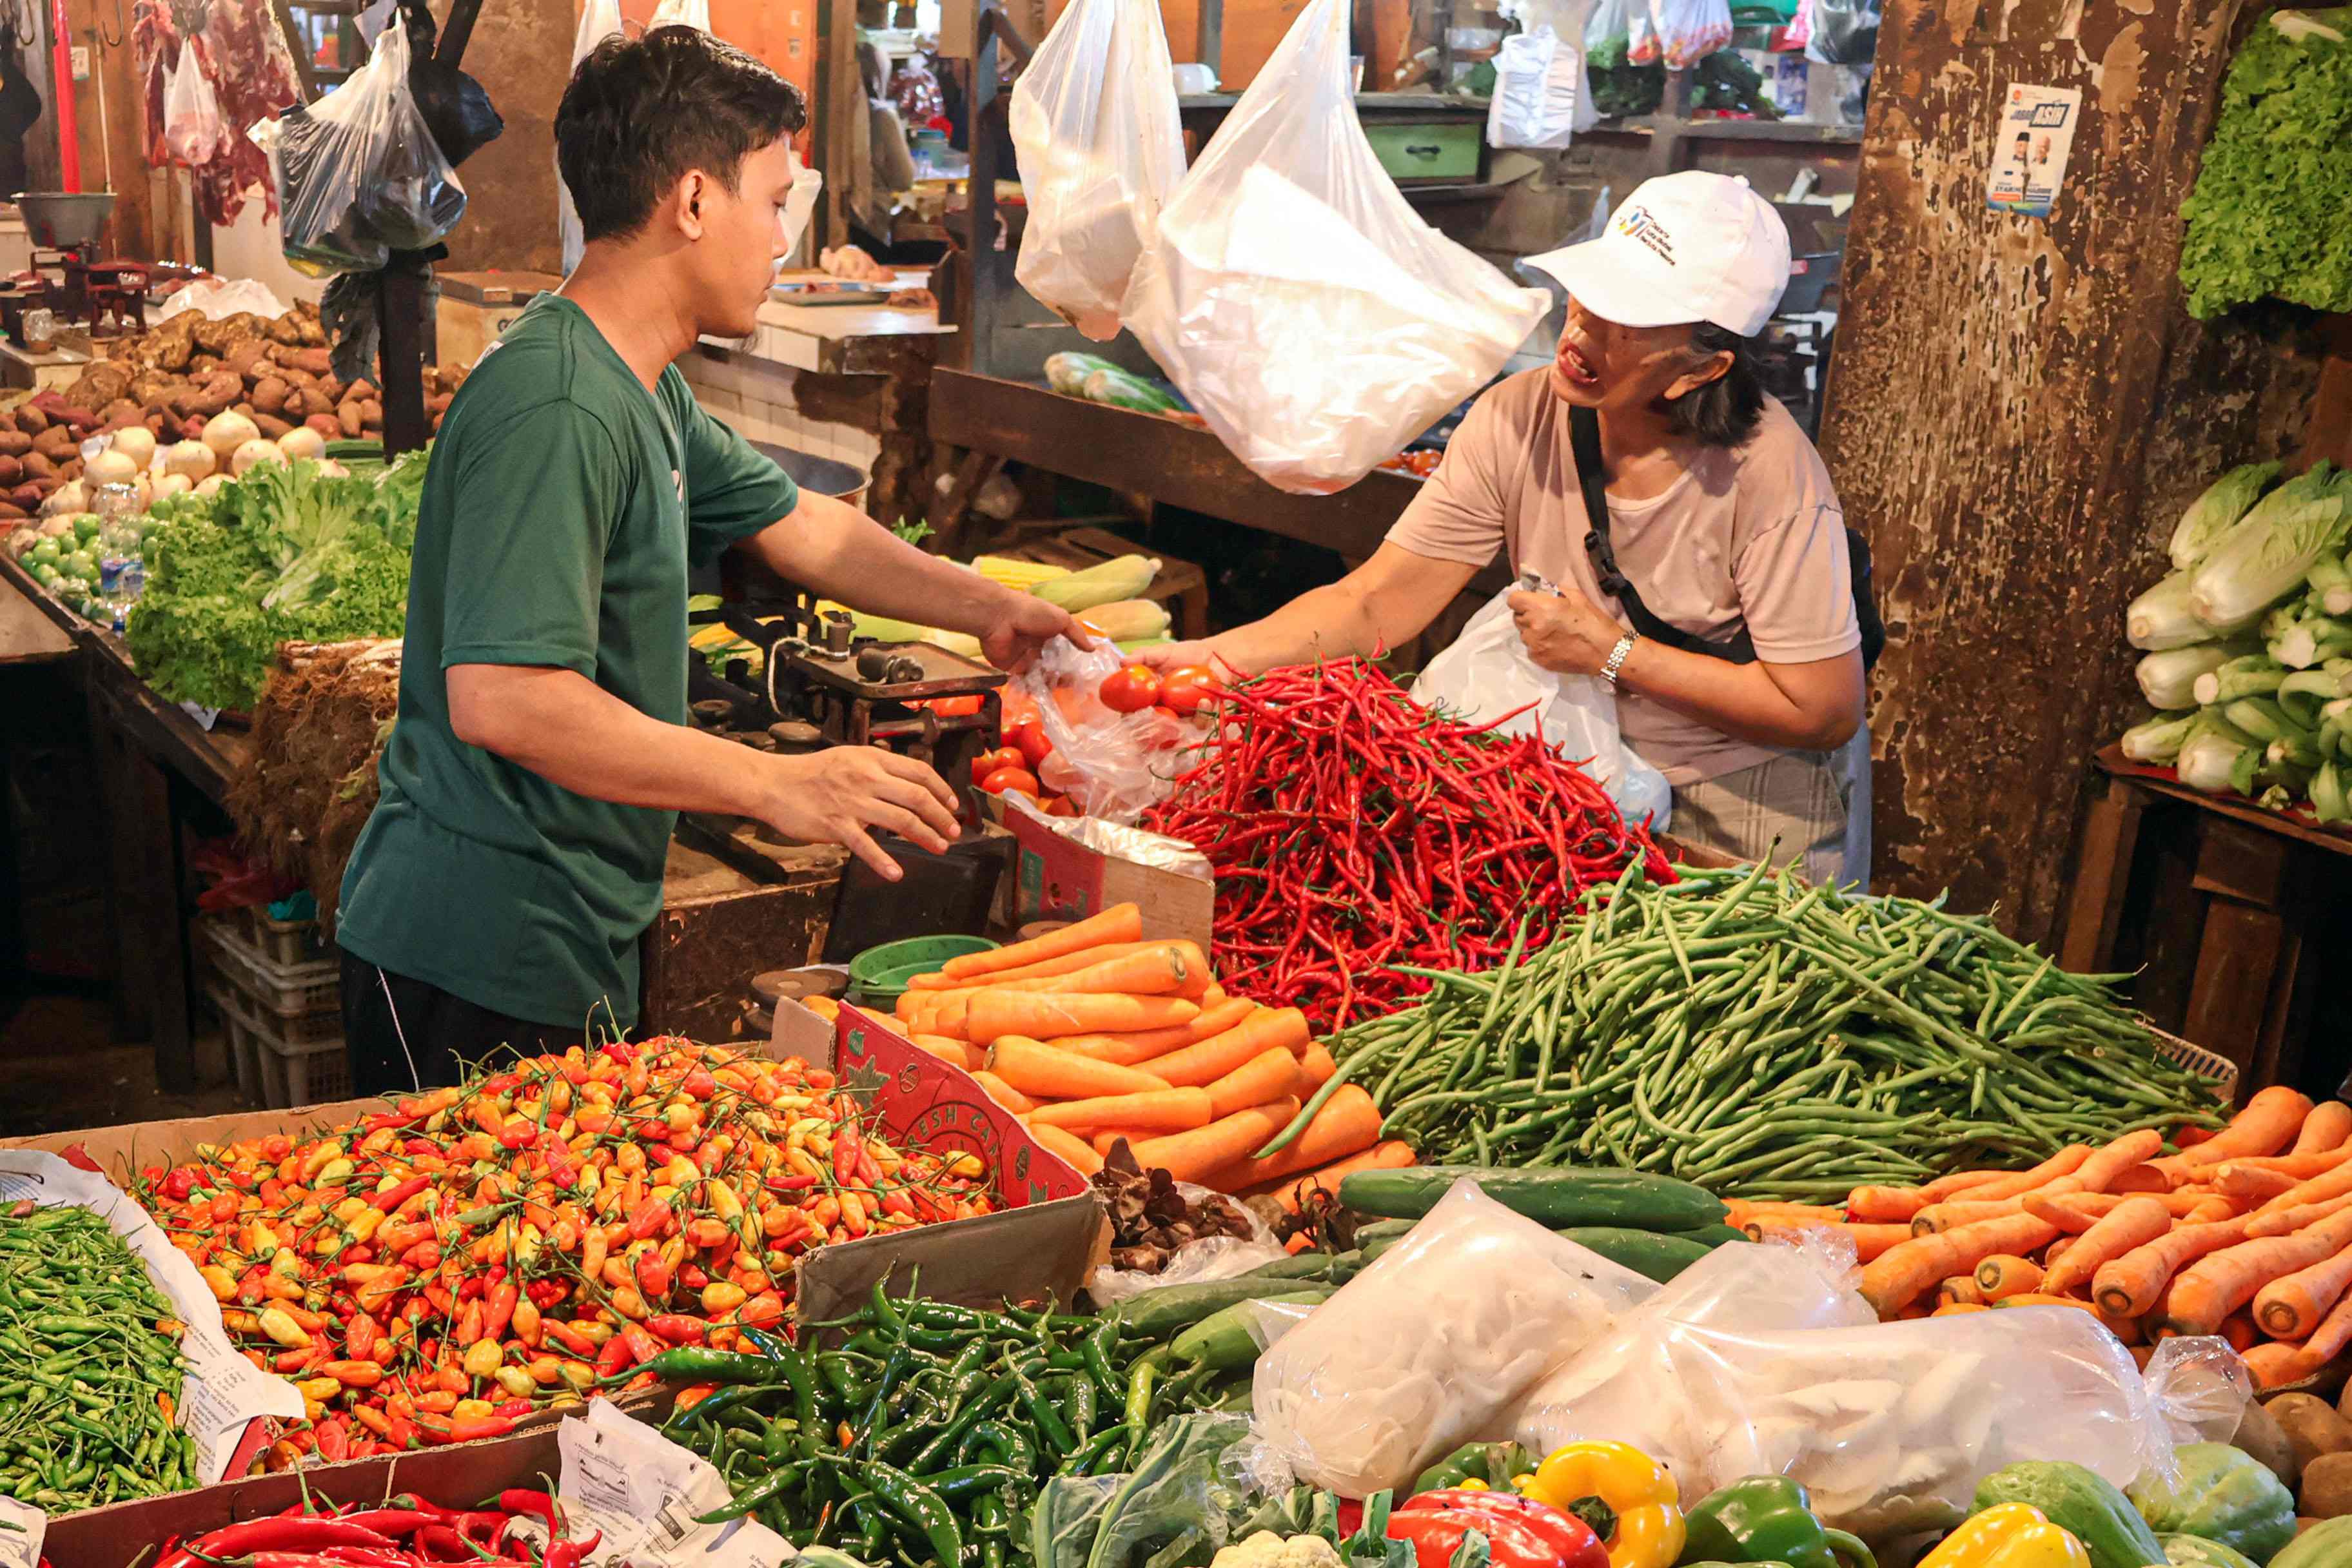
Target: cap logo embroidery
x=1637 y=222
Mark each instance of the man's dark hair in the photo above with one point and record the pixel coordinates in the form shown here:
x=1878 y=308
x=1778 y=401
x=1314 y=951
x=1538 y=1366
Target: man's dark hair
x=640 y=112
x=1725 y=412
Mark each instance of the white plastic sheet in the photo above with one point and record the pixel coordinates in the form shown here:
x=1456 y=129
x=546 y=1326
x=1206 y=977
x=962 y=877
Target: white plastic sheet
x=1487 y=672
x=1300 y=304
x=1433 y=1344
x=217 y=298
x=599 y=19
x=1094 y=128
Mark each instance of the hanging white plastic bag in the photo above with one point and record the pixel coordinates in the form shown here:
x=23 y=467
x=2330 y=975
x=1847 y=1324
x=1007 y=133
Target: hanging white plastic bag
x=1488 y=673
x=358 y=173
x=1539 y=91
x=599 y=20
x=1305 y=310
x=1690 y=30
x=1611 y=20
x=1094 y=128
x=193 y=131
x=681 y=14
x=1353 y=1400
x=1640 y=33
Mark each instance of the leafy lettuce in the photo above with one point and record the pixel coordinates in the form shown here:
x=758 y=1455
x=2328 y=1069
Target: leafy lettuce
x=2268 y=213
x=284 y=553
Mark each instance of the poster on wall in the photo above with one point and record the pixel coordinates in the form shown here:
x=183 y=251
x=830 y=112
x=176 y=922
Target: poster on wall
x=2029 y=154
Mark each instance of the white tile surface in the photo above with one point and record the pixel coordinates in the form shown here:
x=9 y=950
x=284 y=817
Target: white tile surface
x=718 y=403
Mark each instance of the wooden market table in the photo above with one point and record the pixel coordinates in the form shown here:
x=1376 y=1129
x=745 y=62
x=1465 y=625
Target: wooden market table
x=2229 y=912
x=149 y=752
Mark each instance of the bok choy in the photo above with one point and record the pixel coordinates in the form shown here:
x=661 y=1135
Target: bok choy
x=2210 y=515
x=2264 y=555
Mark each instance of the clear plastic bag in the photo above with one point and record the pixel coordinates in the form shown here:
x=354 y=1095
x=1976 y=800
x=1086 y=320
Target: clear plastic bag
x=1094 y=128
x=1200 y=1474
x=1211 y=1258
x=1611 y=20
x=1842 y=32
x=193 y=131
x=1541 y=96
x=599 y=20
x=1433 y=1344
x=1112 y=765
x=1297 y=300
x=1690 y=30
x=358 y=174
x=1640 y=33
x=1890 y=1426
x=1488 y=673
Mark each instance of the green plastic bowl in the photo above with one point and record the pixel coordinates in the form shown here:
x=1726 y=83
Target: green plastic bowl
x=882 y=992
x=915 y=954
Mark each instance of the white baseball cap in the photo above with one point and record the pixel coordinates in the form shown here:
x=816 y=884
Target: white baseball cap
x=1692 y=246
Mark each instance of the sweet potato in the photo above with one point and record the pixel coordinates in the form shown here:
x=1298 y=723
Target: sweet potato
x=213 y=394
x=30 y=496
x=75 y=418
x=246 y=357
x=315 y=361
x=286 y=330
x=363 y=389
x=69 y=470
x=37 y=465
x=14 y=443
x=326 y=425
x=202 y=364
x=57 y=443
x=270 y=394
x=347 y=417
x=438 y=403
x=12 y=473
x=270 y=424
x=31 y=420
x=308 y=401
x=371 y=413
x=12 y=511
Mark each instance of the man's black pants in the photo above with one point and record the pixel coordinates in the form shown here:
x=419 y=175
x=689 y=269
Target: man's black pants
x=404 y=1035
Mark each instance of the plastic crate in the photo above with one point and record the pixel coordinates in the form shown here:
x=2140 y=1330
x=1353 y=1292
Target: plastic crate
x=284 y=990
x=244 y=1050
x=287 y=942
x=2200 y=1061
x=288 y=1073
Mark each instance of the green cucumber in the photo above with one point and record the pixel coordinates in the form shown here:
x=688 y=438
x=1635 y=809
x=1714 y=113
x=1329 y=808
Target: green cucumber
x=1223 y=1339
x=1556 y=1197
x=1316 y=1265
x=1713 y=1235
x=1158 y=1314
x=1645 y=1252
x=1382 y=1230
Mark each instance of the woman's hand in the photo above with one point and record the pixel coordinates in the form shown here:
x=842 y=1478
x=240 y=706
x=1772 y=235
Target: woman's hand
x=1565 y=633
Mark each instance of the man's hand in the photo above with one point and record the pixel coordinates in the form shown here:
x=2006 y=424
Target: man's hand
x=1167 y=656
x=1027 y=625
x=1565 y=633
x=834 y=795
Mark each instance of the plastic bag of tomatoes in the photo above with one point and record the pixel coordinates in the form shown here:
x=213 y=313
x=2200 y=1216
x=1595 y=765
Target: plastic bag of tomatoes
x=1108 y=735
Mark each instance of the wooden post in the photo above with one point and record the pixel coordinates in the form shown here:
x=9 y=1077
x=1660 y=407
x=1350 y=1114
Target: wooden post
x=2019 y=411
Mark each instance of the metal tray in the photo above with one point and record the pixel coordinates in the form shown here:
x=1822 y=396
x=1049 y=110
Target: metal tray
x=840 y=291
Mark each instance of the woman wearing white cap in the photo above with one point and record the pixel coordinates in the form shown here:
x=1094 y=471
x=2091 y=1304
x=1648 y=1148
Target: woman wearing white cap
x=1717 y=598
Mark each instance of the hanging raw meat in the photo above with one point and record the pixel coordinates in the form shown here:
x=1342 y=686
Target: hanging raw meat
x=243 y=55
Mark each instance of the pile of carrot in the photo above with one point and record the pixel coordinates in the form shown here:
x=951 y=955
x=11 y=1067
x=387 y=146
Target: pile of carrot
x=2246 y=1233
x=1091 y=1033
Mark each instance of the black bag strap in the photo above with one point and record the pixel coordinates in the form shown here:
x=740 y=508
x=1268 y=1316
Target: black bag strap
x=1584 y=443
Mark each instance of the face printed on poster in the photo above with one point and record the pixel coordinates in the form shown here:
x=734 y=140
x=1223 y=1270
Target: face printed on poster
x=2029 y=161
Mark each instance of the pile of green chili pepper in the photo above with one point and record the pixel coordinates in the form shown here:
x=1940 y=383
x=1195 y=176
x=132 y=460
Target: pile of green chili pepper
x=923 y=1434
x=90 y=1369
x=1768 y=1039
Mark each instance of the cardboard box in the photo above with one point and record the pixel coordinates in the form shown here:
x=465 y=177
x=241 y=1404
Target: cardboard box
x=459 y=1475
x=1070 y=867
x=1041 y=1243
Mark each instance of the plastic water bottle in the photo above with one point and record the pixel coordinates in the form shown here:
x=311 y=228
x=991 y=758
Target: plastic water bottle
x=121 y=573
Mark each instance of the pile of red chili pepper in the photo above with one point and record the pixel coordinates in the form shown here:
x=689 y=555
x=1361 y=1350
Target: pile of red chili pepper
x=443 y=1267
x=403 y=1531
x=1351 y=829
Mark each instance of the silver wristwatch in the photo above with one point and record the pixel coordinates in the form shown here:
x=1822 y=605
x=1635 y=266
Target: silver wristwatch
x=1617 y=659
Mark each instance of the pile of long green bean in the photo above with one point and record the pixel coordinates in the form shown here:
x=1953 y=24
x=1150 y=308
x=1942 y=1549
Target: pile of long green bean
x=1767 y=1039
x=922 y=1436
x=90 y=1369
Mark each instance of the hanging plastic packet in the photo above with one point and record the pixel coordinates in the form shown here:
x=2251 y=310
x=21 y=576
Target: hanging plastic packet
x=193 y=131
x=1690 y=30
x=1094 y=128
x=1297 y=301
x=358 y=173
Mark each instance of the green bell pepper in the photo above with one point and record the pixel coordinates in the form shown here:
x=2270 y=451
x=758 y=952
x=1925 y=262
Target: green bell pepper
x=1492 y=1465
x=1767 y=1519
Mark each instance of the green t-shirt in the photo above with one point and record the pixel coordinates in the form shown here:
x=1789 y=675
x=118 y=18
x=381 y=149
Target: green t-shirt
x=560 y=510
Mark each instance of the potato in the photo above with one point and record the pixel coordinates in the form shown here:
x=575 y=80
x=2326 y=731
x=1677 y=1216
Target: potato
x=2326 y=1487
x=246 y=357
x=2312 y=1426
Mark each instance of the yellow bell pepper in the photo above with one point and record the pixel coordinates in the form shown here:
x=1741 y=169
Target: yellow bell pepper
x=2009 y=1535
x=1648 y=1531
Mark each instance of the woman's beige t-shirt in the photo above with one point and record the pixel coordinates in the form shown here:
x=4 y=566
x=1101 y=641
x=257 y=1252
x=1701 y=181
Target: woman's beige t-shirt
x=1751 y=535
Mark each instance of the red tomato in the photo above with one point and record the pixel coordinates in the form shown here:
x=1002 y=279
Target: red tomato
x=1028 y=737
x=1189 y=688
x=1132 y=690
x=1060 y=806
x=988 y=763
x=1012 y=781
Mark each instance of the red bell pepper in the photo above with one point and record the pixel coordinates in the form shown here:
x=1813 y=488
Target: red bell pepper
x=1513 y=1541
x=1569 y=1537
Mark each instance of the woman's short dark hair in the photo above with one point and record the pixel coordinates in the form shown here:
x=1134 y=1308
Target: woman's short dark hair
x=640 y=112
x=1726 y=411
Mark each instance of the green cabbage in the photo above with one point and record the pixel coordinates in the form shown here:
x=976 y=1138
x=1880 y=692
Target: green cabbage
x=2267 y=216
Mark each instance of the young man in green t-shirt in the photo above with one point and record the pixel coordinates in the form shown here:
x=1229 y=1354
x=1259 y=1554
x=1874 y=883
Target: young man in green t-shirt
x=542 y=751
